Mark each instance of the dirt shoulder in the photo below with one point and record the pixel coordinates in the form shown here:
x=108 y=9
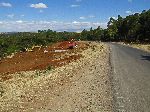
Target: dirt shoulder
x=142 y=47
x=80 y=86
x=145 y=47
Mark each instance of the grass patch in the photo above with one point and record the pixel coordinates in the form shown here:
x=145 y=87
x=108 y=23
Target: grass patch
x=39 y=73
x=49 y=68
x=1 y=91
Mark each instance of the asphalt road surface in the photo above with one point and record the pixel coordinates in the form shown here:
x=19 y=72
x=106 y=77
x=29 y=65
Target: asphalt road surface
x=131 y=78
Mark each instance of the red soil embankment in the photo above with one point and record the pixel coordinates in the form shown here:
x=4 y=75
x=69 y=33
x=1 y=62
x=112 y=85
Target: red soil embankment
x=39 y=59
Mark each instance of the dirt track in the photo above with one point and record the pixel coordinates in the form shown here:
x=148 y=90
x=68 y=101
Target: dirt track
x=81 y=86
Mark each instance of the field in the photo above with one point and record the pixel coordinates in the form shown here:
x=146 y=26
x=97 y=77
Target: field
x=40 y=58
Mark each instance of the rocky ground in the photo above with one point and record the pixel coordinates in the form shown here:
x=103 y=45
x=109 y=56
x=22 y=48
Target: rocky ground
x=80 y=86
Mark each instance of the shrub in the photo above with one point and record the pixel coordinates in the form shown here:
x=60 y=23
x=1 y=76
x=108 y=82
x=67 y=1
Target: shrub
x=49 y=68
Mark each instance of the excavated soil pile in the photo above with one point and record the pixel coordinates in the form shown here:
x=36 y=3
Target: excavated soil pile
x=39 y=58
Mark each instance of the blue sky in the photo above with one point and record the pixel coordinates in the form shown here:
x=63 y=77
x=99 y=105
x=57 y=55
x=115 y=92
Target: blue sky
x=59 y=15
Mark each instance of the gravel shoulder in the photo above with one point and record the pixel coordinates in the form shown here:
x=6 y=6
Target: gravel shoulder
x=144 y=47
x=80 y=86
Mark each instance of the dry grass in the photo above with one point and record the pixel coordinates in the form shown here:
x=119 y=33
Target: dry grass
x=145 y=47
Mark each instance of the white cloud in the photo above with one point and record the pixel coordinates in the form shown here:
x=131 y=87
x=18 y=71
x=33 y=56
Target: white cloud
x=112 y=17
x=10 y=16
x=74 y=5
x=82 y=17
x=3 y=4
x=78 y=31
x=75 y=22
x=137 y=12
x=39 y=6
x=128 y=12
x=86 y=17
x=21 y=25
x=91 y=16
x=19 y=21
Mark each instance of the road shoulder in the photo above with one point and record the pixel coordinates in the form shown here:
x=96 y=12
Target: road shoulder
x=83 y=85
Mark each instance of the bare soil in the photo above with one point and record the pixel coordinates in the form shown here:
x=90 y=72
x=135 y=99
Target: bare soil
x=39 y=59
x=79 y=86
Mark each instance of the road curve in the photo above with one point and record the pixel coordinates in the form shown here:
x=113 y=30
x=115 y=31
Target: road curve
x=131 y=78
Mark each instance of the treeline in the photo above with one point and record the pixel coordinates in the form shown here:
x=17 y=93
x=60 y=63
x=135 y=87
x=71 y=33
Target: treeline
x=10 y=43
x=133 y=28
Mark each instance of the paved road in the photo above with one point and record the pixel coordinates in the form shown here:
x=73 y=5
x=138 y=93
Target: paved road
x=131 y=79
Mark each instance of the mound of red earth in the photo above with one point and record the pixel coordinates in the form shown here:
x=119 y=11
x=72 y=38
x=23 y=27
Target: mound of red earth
x=55 y=55
x=67 y=44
